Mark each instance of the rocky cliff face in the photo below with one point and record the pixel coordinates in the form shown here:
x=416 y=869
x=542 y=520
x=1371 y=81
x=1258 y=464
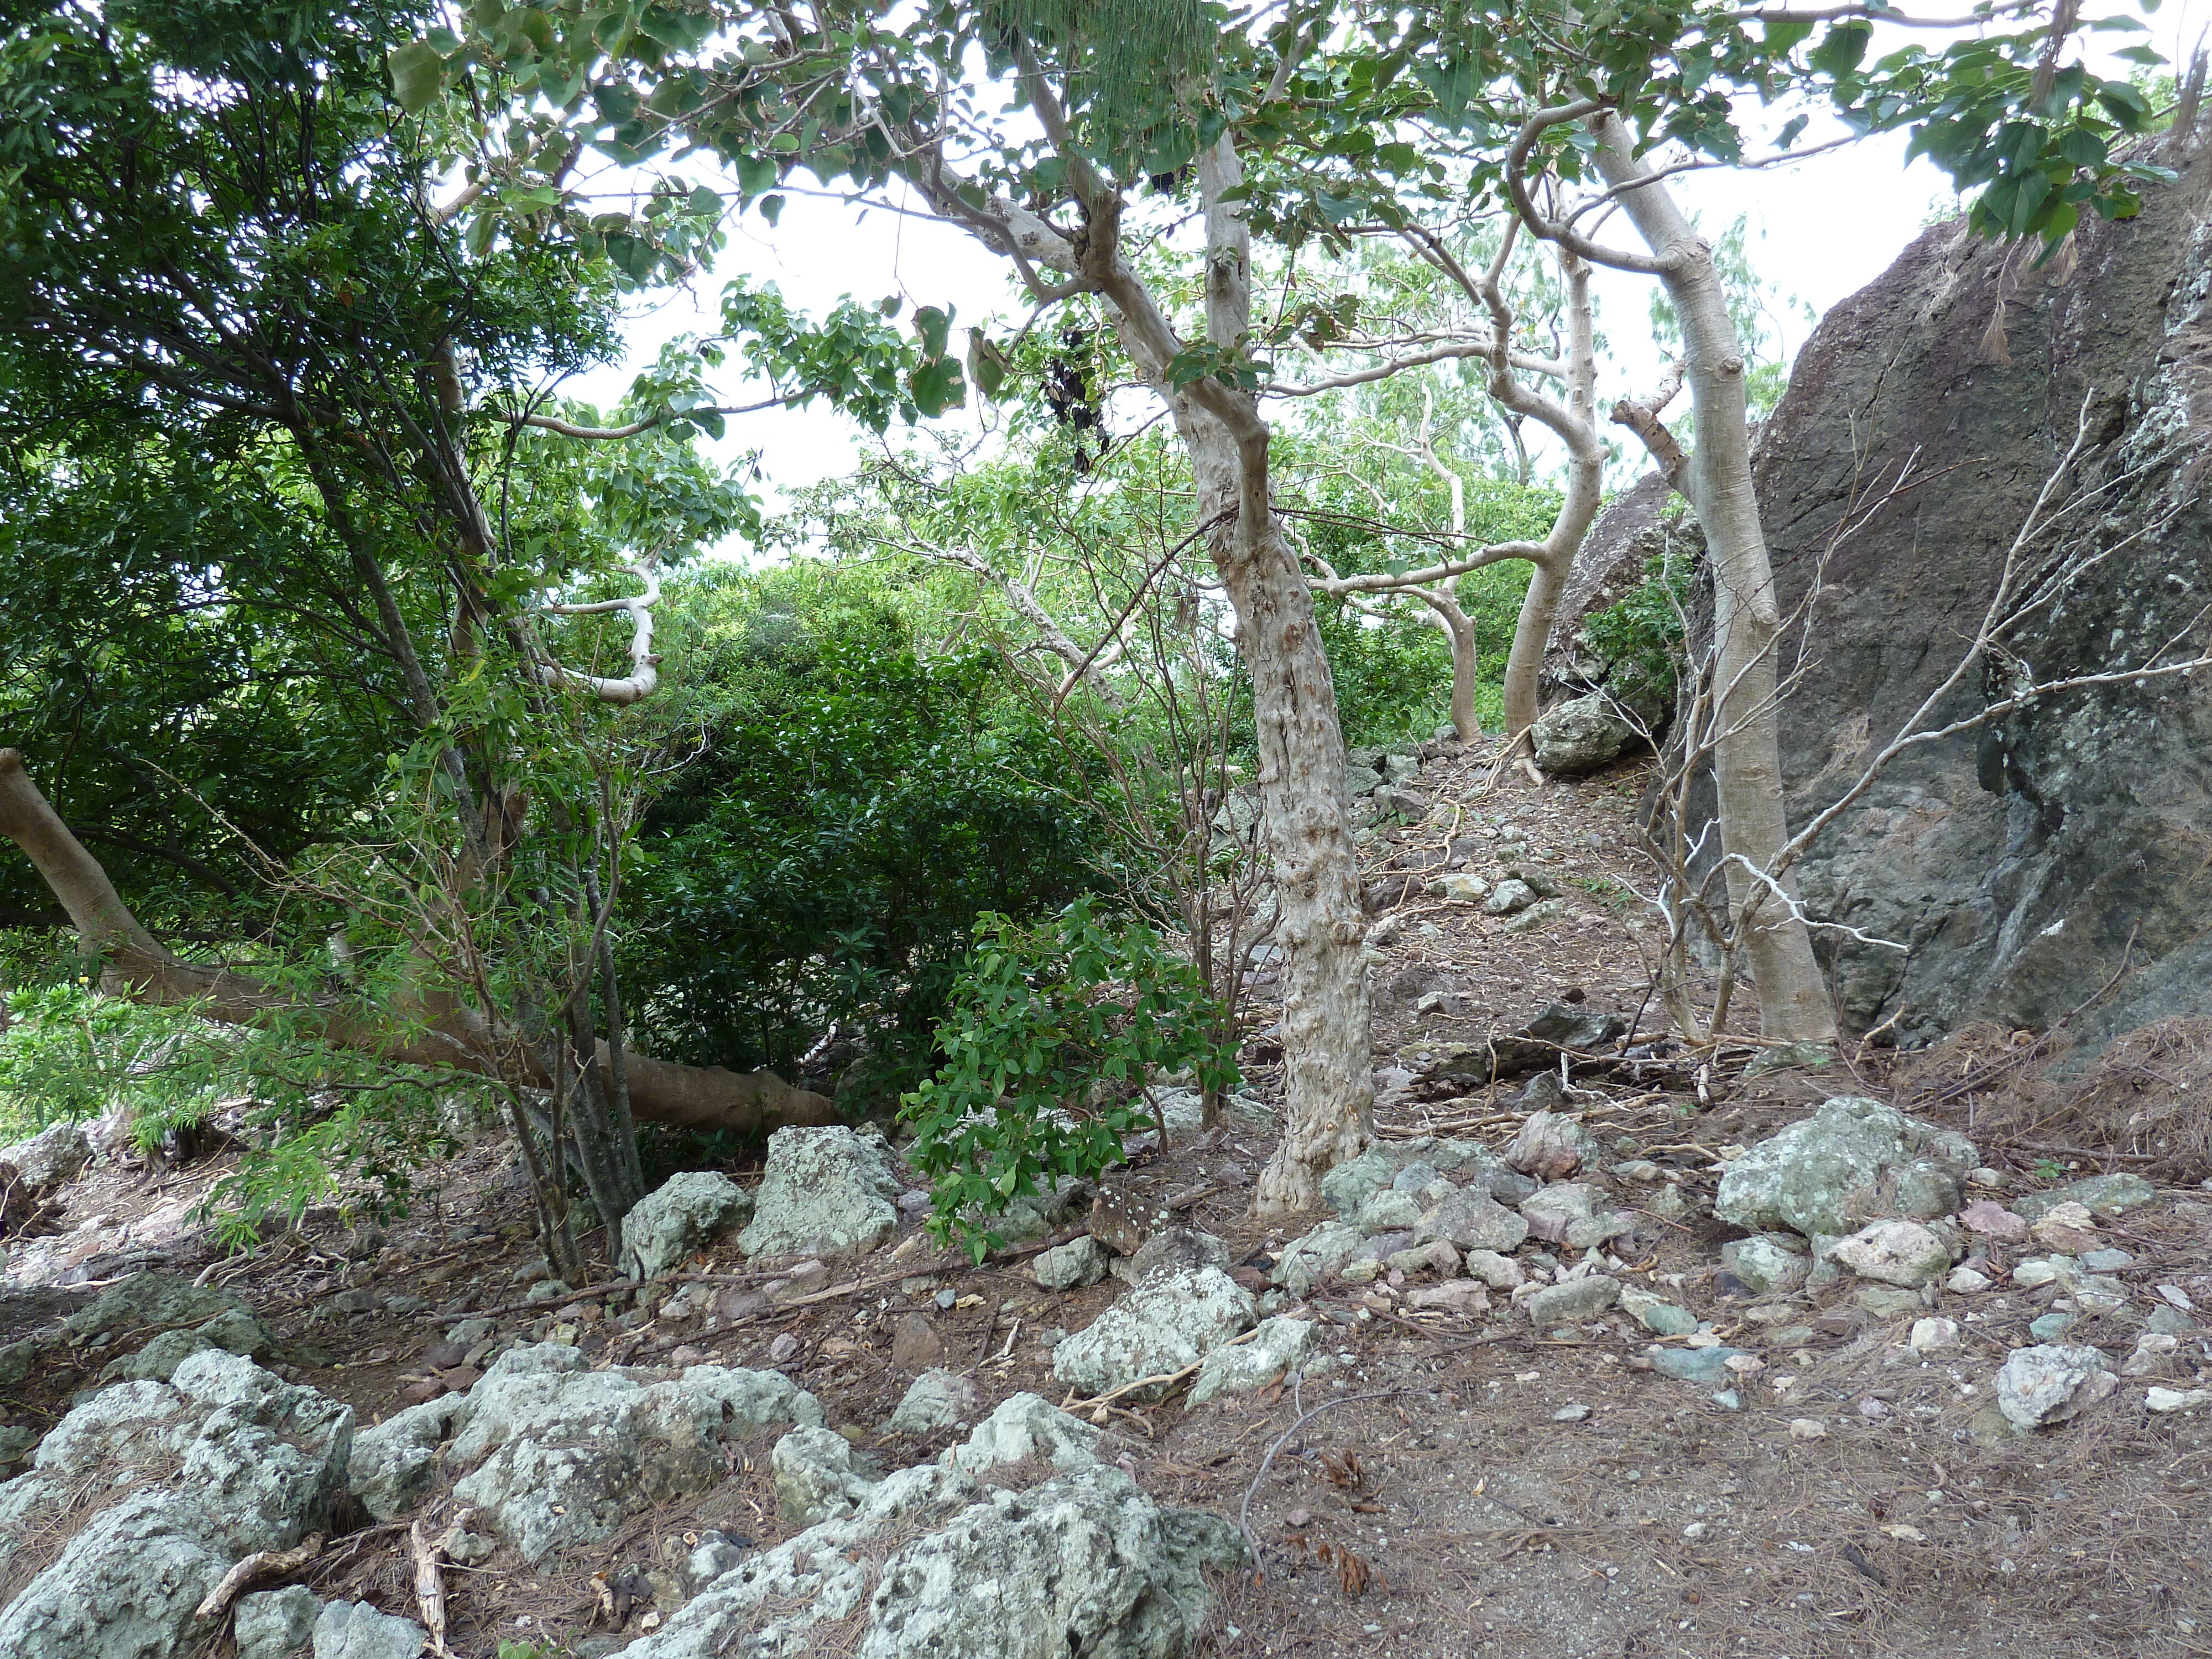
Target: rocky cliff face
x=2025 y=866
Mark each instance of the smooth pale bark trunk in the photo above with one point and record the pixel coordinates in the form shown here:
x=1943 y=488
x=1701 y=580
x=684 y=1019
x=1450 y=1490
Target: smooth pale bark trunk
x=1524 y=663
x=1465 y=667
x=1793 y=999
x=138 y=966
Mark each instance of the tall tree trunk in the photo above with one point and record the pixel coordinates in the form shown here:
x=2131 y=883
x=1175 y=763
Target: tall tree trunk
x=1793 y=999
x=1524 y=663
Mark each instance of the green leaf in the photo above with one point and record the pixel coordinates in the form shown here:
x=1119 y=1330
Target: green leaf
x=936 y=386
x=418 y=76
x=934 y=327
x=1842 y=49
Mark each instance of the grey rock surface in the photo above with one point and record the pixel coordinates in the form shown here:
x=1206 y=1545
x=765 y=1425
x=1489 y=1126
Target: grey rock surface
x=819 y=1477
x=1176 y=1248
x=185 y=1477
x=274 y=1624
x=1081 y=1261
x=1470 y=1220
x=1853 y=1160
x=1277 y=1344
x=1900 y=1253
x=1171 y=1320
x=826 y=1190
x=1084 y=1564
x=1311 y=1258
x=2050 y=1383
x=1571 y=1303
x=1023 y=1428
x=355 y=1630
x=557 y=1454
x=50 y=1157
x=1549 y=1146
x=1583 y=734
x=938 y=1399
x=1768 y=1262
x=685 y=1213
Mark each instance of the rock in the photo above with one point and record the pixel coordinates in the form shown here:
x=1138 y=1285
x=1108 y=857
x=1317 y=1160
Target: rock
x=1277 y=1344
x=2108 y=1195
x=1660 y=1317
x=1993 y=1220
x=685 y=1213
x=1083 y=1563
x=1572 y=1302
x=915 y=1345
x=1025 y=1428
x=1808 y=1428
x=2050 y=1383
x=2106 y=1261
x=826 y=1190
x=1888 y=1301
x=2048 y=1328
x=1082 y=1262
x=1307 y=1261
x=818 y=1476
x=2173 y=1400
x=1388 y=1210
x=1767 y=1264
x=355 y=1630
x=1122 y=1223
x=1589 y=1232
x=1470 y=1220
x=1789 y=1057
x=1462 y=1297
x=1852 y=1160
x=1500 y=1273
x=176 y=1308
x=159 y=1487
x=558 y=1454
x=1965 y=1281
x=2067 y=1228
x=1583 y=734
x=1353 y=1182
x=938 y=1399
x=1508 y=897
x=1550 y=1147
x=2154 y=1353
x=1704 y=1366
x=1550 y=1211
x=1538 y=915
x=50 y=1157
x=1894 y=1252
x=1460 y=886
x=1177 y=1248
x=274 y=1624
x=1934 y=1335
x=1168 y=1321
x=1031 y=1216
x=1437 y=1257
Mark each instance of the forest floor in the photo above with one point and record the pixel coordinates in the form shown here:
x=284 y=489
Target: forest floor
x=1485 y=1488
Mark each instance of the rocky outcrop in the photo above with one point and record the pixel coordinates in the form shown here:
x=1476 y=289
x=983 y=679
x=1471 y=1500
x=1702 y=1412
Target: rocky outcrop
x=826 y=1190
x=52 y=1156
x=684 y=1213
x=182 y=1479
x=2023 y=864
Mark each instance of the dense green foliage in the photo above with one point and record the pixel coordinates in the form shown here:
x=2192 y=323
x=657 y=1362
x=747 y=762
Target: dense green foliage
x=1055 y=1033
x=1642 y=632
x=848 y=808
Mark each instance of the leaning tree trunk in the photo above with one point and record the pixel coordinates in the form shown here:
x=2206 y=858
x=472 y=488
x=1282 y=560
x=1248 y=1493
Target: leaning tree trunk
x=137 y=965
x=1525 y=662
x=1793 y=999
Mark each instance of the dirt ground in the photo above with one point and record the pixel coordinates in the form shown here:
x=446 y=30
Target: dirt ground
x=1457 y=1486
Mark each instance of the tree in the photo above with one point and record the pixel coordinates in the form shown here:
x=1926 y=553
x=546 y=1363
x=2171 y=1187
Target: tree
x=221 y=257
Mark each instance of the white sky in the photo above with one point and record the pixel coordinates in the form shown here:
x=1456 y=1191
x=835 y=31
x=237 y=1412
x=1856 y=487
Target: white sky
x=1820 y=229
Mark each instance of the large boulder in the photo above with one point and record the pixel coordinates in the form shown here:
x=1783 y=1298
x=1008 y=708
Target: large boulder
x=2027 y=861
x=933 y=1566
x=684 y=1213
x=1173 y=1319
x=1583 y=734
x=50 y=1157
x=159 y=1488
x=826 y=1190
x=1853 y=1160
x=557 y=1454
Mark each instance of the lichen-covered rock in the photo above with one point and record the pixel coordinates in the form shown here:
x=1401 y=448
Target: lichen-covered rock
x=355 y=1630
x=818 y=1476
x=558 y=1454
x=185 y=1477
x=1172 y=1248
x=1853 y=1160
x=2050 y=1383
x=1170 y=1319
x=826 y=1190
x=1277 y=1344
x=1470 y=1220
x=1387 y=1210
x=1572 y=1301
x=938 y=1399
x=1084 y=1564
x=1583 y=735
x=1550 y=1211
x=274 y=1624
x=1029 y=1216
x=1551 y=1147
x=682 y=1214
x=50 y=1157
x=1767 y=1263
x=1025 y=1428
x=1081 y=1261
x=1307 y=1261
x=1901 y=1253
x=2109 y=1195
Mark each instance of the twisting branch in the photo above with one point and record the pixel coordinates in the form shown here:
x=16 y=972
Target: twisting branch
x=644 y=676
x=1641 y=416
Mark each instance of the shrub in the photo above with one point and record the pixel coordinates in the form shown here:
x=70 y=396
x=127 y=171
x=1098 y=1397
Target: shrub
x=1053 y=1032
x=1641 y=635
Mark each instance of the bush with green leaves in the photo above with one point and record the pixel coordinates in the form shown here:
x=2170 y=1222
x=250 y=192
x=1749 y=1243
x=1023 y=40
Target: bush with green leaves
x=1641 y=635
x=1055 y=1031
x=851 y=807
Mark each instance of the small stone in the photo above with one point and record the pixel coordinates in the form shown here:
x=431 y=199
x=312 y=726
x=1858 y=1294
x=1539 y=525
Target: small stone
x=2153 y=1353
x=471 y=1549
x=1894 y=1252
x=1462 y=1297
x=1660 y=1317
x=1573 y=1302
x=915 y=1345
x=1766 y=1263
x=1888 y=1301
x=1083 y=1261
x=1276 y=1346
x=1574 y=1414
x=1934 y=1335
x=1550 y=1209
x=1461 y=887
x=1705 y=1365
x=2173 y=1399
x=2106 y=1261
x=1539 y=915
x=1508 y=897
x=2067 y=1229
x=1437 y=1257
x=1500 y=1273
x=355 y=1630
x=1550 y=1147
x=682 y=1214
x=1808 y=1428
x=1387 y=1210
x=1994 y=1221
x=783 y=1348
x=2050 y=1383
x=1965 y=1281
x=1471 y=1220
x=274 y=1624
x=937 y=1399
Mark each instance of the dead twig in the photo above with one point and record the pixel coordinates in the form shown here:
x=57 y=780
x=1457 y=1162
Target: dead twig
x=262 y=1564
